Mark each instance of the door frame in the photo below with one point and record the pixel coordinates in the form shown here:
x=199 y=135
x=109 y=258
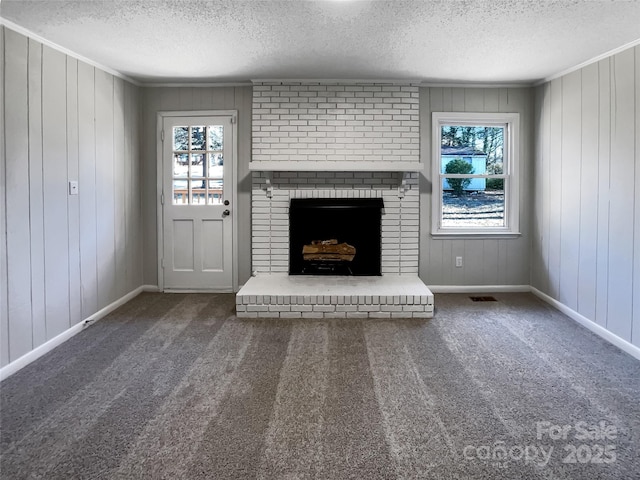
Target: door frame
x=161 y=115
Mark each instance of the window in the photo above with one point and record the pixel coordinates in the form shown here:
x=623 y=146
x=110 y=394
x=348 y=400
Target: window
x=198 y=165
x=475 y=174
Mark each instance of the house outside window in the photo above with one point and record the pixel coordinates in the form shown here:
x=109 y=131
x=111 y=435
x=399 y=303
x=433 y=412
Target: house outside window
x=475 y=174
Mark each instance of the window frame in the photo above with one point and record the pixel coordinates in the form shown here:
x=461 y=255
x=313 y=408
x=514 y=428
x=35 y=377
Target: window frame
x=511 y=163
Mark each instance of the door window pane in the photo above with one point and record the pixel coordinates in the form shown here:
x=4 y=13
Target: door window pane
x=180 y=165
x=180 y=192
x=181 y=138
x=197 y=138
x=215 y=137
x=198 y=166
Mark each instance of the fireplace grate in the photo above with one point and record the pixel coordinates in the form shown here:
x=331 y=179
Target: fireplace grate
x=483 y=299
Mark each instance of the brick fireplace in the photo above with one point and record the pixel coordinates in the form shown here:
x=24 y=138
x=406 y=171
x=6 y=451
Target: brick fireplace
x=332 y=141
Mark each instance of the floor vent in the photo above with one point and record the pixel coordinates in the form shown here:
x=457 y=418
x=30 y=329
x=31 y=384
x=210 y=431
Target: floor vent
x=483 y=299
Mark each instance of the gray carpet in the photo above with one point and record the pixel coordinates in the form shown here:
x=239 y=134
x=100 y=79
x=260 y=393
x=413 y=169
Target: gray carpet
x=174 y=386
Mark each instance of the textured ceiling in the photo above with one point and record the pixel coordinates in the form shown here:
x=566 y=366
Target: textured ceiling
x=436 y=41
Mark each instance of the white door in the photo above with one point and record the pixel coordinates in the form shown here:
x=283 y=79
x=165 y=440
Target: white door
x=196 y=200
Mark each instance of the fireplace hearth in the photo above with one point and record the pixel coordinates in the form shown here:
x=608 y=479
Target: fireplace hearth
x=335 y=236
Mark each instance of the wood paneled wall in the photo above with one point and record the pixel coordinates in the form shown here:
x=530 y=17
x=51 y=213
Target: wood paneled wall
x=65 y=257
x=485 y=261
x=158 y=99
x=586 y=222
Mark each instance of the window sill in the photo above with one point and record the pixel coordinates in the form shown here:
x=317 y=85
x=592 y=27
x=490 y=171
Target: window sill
x=475 y=235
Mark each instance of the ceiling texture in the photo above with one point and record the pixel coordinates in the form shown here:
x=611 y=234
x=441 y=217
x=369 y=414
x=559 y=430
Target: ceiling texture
x=458 y=41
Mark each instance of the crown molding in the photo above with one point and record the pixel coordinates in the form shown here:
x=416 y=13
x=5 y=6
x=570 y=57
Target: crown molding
x=195 y=84
x=339 y=81
x=608 y=54
x=475 y=85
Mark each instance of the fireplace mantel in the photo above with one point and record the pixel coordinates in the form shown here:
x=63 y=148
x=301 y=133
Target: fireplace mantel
x=334 y=166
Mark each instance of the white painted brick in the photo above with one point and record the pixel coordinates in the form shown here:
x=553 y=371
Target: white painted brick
x=324 y=308
x=357 y=315
x=312 y=315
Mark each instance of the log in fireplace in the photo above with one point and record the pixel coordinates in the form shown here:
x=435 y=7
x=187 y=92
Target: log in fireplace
x=335 y=236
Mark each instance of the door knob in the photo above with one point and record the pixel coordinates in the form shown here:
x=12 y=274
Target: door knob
x=226 y=213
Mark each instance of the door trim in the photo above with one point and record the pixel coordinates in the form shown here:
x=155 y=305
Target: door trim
x=161 y=115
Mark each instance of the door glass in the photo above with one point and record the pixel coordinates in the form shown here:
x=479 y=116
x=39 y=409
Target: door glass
x=198 y=153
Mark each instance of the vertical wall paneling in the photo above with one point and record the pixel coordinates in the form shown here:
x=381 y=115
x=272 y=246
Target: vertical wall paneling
x=555 y=159
x=87 y=189
x=130 y=187
x=105 y=190
x=36 y=198
x=57 y=242
x=431 y=100
x=592 y=217
x=604 y=160
x=635 y=328
x=570 y=173
x=17 y=194
x=119 y=158
x=621 y=195
x=588 y=228
x=485 y=261
x=73 y=203
x=4 y=281
x=56 y=233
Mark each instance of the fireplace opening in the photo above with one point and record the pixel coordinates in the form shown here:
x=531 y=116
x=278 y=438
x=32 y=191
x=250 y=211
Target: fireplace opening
x=335 y=236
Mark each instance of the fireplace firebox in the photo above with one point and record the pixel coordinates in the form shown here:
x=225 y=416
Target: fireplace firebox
x=335 y=236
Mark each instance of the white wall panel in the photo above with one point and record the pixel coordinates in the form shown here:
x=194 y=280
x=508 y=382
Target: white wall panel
x=588 y=228
x=17 y=193
x=604 y=159
x=570 y=173
x=36 y=194
x=105 y=189
x=622 y=194
x=56 y=234
x=87 y=189
x=635 y=327
x=73 y=201
x=120 y=160
x=4 y=281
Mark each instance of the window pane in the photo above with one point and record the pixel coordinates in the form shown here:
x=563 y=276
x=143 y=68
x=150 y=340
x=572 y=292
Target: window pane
x=472 y=149
x=181 y=138
x=215 y=192
x=197 y=138
x=474 y=209
x=215 y=165
x=198 y=192
x=180 y=167
x=180 y=192
x=198 y=165
x=215 y=137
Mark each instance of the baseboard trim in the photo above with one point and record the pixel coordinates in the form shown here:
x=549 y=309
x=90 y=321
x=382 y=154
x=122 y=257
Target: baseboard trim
x=589 y=324
x=479 y=288
x=49 y=345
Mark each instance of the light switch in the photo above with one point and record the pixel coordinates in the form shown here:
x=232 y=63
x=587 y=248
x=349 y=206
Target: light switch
x=73 y=187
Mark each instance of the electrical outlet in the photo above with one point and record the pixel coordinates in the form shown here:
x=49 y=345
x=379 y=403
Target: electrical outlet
x=458 y=261
x=73 y=187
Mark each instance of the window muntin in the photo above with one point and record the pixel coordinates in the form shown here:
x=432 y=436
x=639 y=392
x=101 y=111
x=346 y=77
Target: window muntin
x=475 y=173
